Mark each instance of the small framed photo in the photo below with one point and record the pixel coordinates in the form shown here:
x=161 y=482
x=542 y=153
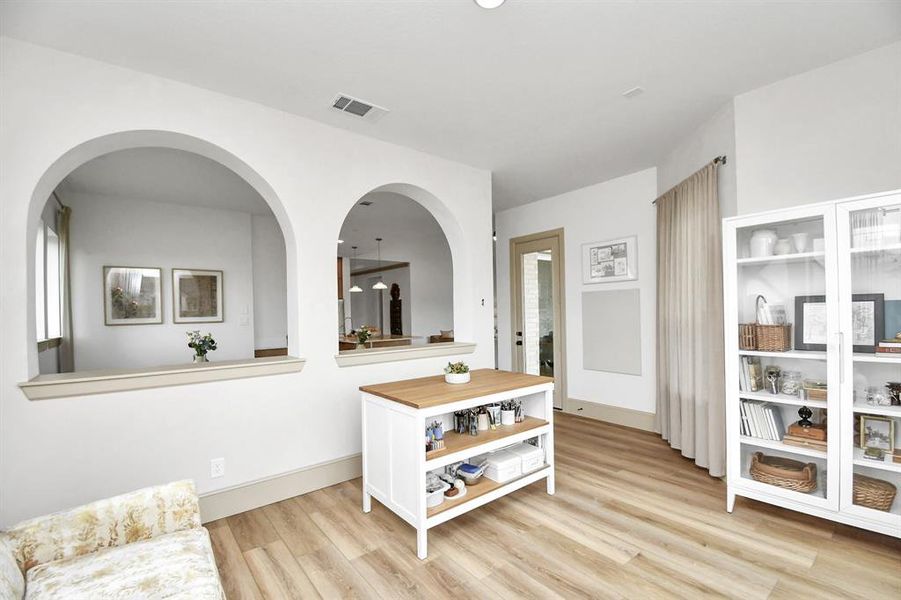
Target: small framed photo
x=613 y=260
x=197 y=296
x=132 y=296
x=811 y=325
x=877 y=432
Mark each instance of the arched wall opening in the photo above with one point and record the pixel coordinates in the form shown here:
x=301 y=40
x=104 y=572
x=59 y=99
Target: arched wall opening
x=153 y=139
x=421 y=244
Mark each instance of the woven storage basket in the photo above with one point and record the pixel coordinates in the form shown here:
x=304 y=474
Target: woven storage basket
x=769 y=338
x=784 y=472
x=873 y=493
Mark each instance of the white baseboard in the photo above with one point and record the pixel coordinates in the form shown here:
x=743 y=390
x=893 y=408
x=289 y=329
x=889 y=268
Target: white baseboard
x=617 y=415
x=247 y=496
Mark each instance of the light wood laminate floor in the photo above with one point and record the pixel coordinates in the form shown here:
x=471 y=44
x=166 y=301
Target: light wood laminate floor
x=631 y=519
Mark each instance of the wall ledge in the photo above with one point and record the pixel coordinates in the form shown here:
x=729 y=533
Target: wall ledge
x=352 y=358
x=83 y=383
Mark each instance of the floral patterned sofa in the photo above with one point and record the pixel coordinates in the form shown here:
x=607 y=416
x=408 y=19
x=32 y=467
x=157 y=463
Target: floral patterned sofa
x=144 y=544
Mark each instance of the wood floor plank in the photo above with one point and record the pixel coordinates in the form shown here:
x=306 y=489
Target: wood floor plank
x=631 y=518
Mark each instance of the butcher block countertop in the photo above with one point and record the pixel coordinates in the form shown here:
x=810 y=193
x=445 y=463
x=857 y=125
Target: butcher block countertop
x=426 y=392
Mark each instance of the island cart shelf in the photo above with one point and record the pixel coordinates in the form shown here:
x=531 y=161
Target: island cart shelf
x=395 y=461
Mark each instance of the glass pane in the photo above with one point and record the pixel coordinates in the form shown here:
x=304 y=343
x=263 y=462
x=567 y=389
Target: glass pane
x=39 y=316
x=876 y=339
x=538 y=313
x=53 y=281
x=783 y=312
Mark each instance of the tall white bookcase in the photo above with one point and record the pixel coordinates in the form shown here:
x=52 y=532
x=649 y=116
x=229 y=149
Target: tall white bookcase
x=858 y=252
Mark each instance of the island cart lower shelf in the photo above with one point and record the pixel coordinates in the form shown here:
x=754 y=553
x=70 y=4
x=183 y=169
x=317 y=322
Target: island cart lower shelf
x=395 y=464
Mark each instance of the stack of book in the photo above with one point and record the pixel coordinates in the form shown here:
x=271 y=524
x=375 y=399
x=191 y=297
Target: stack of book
x=761 y=420
x=889 y=346
x=750 y=374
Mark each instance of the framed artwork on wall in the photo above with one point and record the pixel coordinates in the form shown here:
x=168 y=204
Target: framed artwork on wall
x=609 y=261
x=132 y=296
x=197 y=296
x=867 y=318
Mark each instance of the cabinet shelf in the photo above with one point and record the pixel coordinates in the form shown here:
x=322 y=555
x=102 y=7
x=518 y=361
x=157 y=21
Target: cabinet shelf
x=783 y=399
x=889 y=359
x=876 y=250
x=885 y=411
x=886 y=464
x=780 y=258
x=474 y=492
x=456 y=443
x=802 y=354
x=782 y=447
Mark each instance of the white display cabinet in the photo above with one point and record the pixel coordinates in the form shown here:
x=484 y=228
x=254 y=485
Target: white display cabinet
x=836 y=262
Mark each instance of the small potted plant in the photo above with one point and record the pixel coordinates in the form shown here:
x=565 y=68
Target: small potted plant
x=201 y=344
x=363 y=335
x=457 y=372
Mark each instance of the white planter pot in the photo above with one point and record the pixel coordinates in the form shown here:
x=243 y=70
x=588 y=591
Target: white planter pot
x=456 y=377
x=508 y=417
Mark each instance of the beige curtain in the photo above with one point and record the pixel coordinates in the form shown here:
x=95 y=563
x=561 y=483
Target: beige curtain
x=690 y=386
x=66 y=345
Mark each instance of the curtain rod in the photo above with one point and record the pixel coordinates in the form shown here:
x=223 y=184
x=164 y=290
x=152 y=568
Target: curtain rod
x=719 y=160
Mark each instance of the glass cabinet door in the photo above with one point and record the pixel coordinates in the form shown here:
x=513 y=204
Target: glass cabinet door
x=870 y=262
x=784 y=308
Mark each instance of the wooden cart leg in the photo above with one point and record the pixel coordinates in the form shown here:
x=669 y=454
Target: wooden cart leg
x=422 y=549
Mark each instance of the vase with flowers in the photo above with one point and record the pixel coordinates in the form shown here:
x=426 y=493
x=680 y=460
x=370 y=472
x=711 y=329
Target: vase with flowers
x=363 y=335
x=201 y=345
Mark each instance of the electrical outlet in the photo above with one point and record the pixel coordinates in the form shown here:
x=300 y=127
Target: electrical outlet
x=217 y=467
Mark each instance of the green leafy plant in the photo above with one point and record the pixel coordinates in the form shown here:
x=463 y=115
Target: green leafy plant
x=201 y=344
x=363 y=334
x=457 y=368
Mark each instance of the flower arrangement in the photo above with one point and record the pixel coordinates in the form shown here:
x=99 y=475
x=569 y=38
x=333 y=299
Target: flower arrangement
x=458 y=368
x=363 y=335
x=201 y=344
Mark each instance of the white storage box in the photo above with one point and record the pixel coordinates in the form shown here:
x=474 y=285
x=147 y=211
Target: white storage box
x=503 y=466
x=532 y=456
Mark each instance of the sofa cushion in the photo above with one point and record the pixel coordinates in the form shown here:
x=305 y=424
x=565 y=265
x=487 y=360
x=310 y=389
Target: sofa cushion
x=175 y=565
x=12 y=584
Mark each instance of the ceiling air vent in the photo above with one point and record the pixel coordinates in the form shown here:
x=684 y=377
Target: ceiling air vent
x=359 y=108
x=365 y=202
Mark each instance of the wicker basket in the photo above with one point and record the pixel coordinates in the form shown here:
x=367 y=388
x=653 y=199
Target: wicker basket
x=873 y=493
x=784 y=472
x=769 y=338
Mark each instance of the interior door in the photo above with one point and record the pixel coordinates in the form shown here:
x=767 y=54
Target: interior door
x=538 y=307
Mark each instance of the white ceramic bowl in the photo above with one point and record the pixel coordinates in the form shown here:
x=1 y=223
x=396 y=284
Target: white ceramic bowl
x=456 y=377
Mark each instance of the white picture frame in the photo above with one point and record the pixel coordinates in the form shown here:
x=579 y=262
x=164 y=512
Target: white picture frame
x=197 y=296
x=132 y=295
x=610 y=260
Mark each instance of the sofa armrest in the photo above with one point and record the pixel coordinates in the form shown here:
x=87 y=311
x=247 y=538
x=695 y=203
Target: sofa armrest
x=131 y=517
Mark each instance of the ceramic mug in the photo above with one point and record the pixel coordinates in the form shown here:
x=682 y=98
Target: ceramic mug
x=782 y=246
x=800 y=241
x=762 y=242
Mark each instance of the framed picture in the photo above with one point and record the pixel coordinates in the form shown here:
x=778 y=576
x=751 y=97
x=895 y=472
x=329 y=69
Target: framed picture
x=613 y=260
x=197 y=296
x=867 y=312
x=868 y=320
x=131 y=296
x=811 y=329
x=877 y=432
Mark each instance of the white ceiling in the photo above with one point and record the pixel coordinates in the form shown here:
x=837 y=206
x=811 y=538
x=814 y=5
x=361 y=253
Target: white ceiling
x=531 y=90
x=165 y=175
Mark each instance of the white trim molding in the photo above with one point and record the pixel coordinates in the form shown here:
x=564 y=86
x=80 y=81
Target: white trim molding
x=628 y=417
x=247 y=496
x=83 y=383
x=351 y=358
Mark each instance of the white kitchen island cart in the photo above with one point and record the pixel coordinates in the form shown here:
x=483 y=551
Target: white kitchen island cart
x=395 y=463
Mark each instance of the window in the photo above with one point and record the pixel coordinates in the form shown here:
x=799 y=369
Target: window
x=47 y=285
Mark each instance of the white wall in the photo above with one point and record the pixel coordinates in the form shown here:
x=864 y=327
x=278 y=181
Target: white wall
x=829 y=133
x=59 y=453
x=617 y=208
x=270 y=290
x=109 y=231
x=714 y=137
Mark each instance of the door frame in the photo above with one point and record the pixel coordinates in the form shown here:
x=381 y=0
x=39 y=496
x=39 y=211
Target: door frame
x=558 y=269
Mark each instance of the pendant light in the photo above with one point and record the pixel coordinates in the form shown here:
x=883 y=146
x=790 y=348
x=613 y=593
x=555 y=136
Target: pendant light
x=380 y=285
x=355 y=289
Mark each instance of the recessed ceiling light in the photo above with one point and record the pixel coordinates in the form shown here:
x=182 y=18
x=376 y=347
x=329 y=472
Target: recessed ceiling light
x=632 y=92
x=489 y=3
x=340 y=241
